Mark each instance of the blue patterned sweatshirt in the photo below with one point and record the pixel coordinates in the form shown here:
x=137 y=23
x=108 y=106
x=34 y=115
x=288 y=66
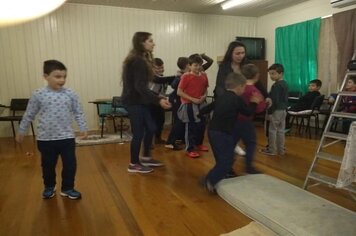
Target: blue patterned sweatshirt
x=56 y=109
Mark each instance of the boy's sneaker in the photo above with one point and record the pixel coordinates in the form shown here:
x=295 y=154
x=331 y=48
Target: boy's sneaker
x=160 y=141
x=282 y=153
x=231 y=174
x=202 y=148
x=147 y=161
x=138 y=168
x=266 y=151
x=71 y=194
x=210 y=187
x=174 y=147
x=252 y=171
x=49 y=192
x=193 y=154
x=179 y=141
x=207 y=185
x=239 y=151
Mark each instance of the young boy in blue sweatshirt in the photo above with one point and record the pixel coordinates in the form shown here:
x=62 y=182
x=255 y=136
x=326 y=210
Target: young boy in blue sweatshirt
x=56 y=107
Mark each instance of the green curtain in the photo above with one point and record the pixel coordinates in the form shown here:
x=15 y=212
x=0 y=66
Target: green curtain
x=297 y=49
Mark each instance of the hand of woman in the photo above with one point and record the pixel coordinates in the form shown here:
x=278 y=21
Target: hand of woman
x=164 y=103
x=256 y=98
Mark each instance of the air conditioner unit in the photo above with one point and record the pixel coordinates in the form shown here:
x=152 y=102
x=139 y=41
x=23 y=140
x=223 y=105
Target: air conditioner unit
x=342 y=3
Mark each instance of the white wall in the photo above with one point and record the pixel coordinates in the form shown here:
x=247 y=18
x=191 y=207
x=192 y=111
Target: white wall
x=266 y=25
x=93 y=41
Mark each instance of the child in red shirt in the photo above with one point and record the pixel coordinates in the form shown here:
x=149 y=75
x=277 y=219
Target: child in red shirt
x=192 y=89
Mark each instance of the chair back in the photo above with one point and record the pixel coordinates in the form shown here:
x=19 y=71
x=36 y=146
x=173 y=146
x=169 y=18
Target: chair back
x=116 y=102
x=18 y=104
x=318 y=101
x=296 y=94
x=117 y=106
x=104 y=109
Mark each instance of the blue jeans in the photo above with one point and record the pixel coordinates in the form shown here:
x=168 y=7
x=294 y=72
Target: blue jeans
x=245 y=130
x=177 y=132
x=178 y=127
x=143 y=127
x=223 y=146
x=194 y=131
x=158 y=115
x=50 y=150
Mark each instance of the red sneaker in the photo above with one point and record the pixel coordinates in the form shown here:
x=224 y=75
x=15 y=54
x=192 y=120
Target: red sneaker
x=203 y=148
x=193 y=154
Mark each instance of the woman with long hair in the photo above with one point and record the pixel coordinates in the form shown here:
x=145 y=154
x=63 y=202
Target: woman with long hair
x=136 y=97
x=234 y=59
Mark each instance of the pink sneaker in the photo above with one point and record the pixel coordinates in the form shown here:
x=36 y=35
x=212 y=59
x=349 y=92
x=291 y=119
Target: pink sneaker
x=203 y=148
x=193 y=154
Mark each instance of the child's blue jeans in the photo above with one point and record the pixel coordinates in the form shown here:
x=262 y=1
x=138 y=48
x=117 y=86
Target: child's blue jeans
x=223 y=146
x=50 y=150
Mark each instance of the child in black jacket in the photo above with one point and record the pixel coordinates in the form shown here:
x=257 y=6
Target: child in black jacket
x=226 y=108
x=305 y=102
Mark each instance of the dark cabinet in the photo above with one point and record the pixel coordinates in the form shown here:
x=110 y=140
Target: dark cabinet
x=263 y=68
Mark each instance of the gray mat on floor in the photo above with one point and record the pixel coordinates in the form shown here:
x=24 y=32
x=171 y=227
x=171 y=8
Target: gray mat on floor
x=96 y=139
x=285 y=208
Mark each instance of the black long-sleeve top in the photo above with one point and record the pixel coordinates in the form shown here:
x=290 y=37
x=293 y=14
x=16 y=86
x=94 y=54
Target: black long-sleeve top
x=208 y=63
x=163 y=79
x=305 y=102
x=135 y=76
x=279 y=96
x=226 y=108
x=224 y=70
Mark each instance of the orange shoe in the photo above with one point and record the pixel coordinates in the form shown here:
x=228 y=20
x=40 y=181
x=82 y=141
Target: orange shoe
x=193 y=154
x=203 y=148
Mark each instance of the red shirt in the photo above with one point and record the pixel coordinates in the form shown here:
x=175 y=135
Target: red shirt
x=193 y=85
x=246 y=96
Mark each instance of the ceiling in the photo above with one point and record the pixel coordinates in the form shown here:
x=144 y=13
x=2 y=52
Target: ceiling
x=254 y=9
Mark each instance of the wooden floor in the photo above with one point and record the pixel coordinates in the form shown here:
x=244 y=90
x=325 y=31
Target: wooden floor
x=166 y=202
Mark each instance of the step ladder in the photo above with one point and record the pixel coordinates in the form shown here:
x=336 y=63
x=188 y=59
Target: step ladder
x=325 y=152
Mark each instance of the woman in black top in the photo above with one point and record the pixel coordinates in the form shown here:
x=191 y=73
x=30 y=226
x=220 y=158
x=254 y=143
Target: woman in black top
x=234 y=59
x=136 y=97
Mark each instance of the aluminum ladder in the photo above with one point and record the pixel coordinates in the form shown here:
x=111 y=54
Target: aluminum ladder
x=330 y=137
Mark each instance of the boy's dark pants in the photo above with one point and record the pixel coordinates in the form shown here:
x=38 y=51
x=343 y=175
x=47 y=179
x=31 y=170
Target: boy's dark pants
x=177 y=130
x=143 y=127
x=194 y=130
x=245 y=130
x=223 y=146
x=50 y=150
x=158 y=115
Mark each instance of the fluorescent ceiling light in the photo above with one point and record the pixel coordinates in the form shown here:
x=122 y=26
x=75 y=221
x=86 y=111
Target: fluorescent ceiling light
x=17 y=11
x=233 y=3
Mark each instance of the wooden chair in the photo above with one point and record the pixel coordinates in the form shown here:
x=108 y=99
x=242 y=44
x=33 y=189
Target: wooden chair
x=17 y=105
